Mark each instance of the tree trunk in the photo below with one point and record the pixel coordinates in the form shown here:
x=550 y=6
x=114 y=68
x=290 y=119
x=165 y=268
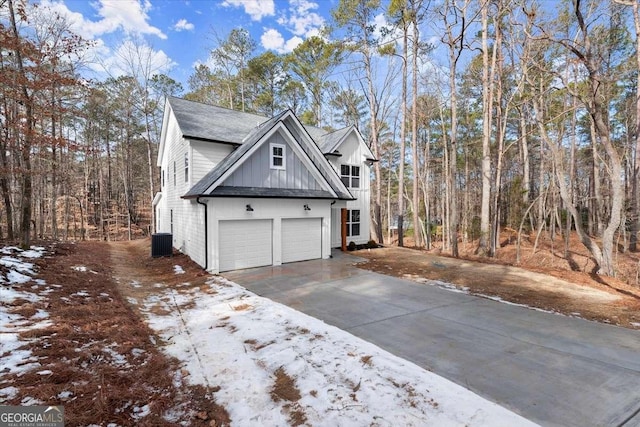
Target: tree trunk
x=403 y=111
x=373 y=124
x=27 y=187
x=487 y=107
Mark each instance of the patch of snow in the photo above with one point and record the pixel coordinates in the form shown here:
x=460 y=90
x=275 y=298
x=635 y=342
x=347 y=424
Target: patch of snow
x=117 y=358
x=82 y=293
x=178 y=269
x=137 y=352
x=45 y=372
x=635 y=324
x=9 y=294
x=79 y=268
x=65 y=394
x=136 y=284
x=30 y=401
x=140 y=412
x=17 y=278
x=442 y=285
x=498 y=299
x=132 y=301
x=40 y=314
x=343 y=380
x=17 y=264
x=8 y=393
x=34 y=252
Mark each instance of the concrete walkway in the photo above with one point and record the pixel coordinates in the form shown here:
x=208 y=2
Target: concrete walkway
x=551 y=369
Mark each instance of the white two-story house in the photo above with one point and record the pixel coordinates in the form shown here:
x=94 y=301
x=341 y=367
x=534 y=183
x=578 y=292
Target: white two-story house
x=240 y=190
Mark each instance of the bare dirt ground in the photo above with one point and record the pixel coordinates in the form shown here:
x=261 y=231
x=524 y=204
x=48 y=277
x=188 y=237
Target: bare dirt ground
x=544 y=279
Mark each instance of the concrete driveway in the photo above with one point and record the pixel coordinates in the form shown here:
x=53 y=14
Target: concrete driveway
x=552 y=369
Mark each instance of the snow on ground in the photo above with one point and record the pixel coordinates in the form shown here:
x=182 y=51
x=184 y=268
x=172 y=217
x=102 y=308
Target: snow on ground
x=13 y=357
x=236 y=343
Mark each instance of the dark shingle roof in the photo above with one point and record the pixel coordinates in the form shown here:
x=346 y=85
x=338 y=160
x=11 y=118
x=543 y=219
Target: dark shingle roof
x=213 y=123
x=330 y=141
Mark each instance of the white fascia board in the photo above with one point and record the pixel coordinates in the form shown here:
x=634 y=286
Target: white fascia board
x=163 y=133
x=332 y=172
x=361 y=140
x=304 y=157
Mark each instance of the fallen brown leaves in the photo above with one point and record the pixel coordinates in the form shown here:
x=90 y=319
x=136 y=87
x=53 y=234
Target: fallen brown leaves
x=105 y=367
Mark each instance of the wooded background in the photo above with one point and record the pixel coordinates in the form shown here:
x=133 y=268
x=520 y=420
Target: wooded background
x=484 y=115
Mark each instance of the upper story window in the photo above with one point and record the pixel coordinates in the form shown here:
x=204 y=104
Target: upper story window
x=350 y=175
x=186 y=167
x=277 y=155
x=174 y=173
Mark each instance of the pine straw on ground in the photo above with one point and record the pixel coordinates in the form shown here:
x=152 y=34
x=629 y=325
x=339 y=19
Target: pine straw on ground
x=104 y=361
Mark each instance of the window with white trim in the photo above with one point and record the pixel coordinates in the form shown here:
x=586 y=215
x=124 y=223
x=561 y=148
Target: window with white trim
x=353 y=222
x=350 y=175
x=186 y=167
x=277 y=155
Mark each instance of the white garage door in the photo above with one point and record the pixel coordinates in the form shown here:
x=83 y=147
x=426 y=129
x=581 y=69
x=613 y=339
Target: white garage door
x=301 y=239
x=245 y=244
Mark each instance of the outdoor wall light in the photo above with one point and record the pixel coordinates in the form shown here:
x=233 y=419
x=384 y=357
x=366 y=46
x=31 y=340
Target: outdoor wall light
x=307 y=208
x=249 y=208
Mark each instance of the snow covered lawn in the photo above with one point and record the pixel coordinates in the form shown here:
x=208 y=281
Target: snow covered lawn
x=268 y=364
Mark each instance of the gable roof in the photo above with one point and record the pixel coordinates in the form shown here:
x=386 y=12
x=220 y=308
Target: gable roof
x=216 y=173
x=211 y=123
x=330 y=142
x=208 y=186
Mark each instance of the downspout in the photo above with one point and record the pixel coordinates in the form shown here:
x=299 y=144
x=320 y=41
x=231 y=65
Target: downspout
x=206 y=234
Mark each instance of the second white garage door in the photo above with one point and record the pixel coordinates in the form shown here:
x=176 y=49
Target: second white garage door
x=301 y=239
x=245 y=244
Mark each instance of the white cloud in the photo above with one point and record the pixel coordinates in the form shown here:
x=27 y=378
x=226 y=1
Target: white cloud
x=272 y=39
x=114 y=16
x=292 y=43
x=129 y=16
x=300 y=20
x=183 y=25
x=256 y=9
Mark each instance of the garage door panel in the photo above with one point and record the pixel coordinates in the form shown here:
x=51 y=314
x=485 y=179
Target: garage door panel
x=245 y=244
x=301 y=239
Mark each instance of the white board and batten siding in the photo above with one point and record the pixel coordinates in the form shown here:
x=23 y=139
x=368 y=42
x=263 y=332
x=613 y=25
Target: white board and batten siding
x=353 y=154
x=256 y=170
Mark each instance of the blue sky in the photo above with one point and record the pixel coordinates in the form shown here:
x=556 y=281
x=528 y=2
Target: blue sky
x=178 y=34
